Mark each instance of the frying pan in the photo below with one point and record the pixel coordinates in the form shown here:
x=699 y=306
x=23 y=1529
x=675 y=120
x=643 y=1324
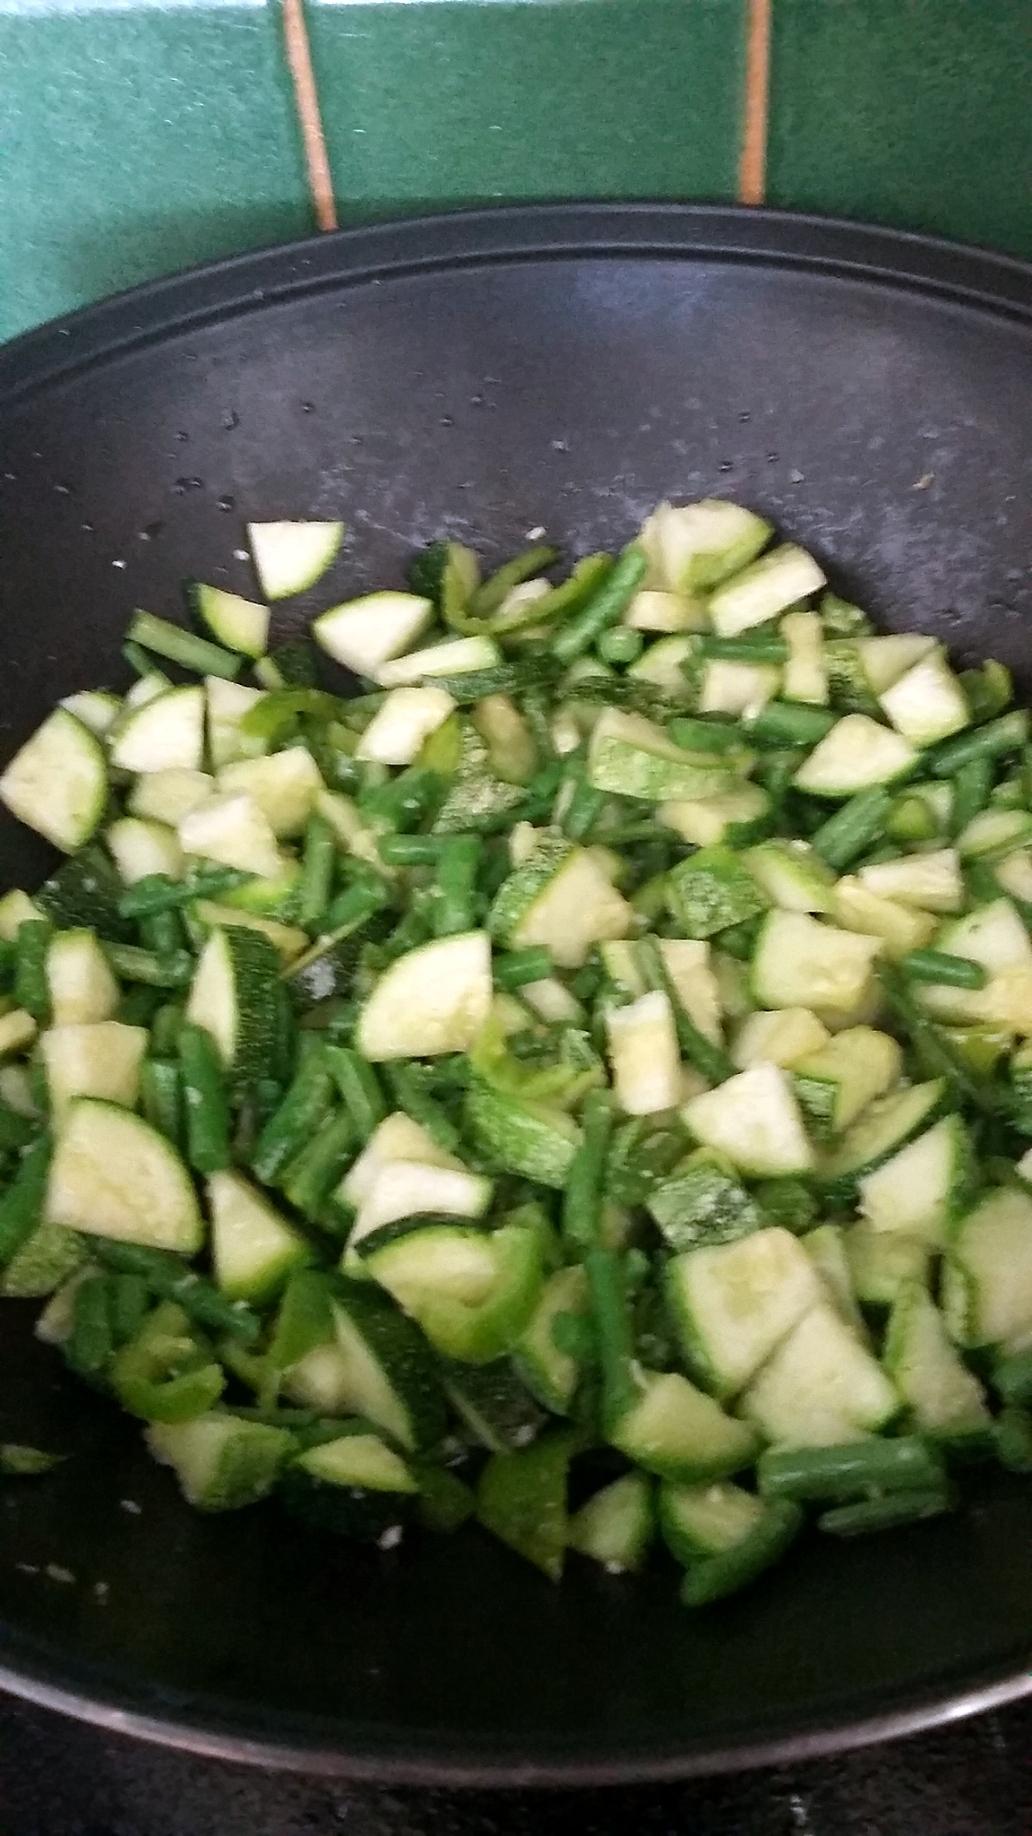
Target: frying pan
x=483 y=375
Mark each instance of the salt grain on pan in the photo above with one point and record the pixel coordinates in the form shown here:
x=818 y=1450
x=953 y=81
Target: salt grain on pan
x=130 y=1506
x=57 y=1573
x=390 y=1538
x=101 y=1590
x=535 y=534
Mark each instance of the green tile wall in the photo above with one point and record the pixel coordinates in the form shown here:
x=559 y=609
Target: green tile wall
x=136 y=139
x=440 y=101
x=911 y=112
x=138 y=136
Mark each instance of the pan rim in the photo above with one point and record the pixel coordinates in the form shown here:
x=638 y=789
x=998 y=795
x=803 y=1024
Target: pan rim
x=43 y=358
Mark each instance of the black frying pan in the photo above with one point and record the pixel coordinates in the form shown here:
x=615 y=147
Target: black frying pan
x=485 y=374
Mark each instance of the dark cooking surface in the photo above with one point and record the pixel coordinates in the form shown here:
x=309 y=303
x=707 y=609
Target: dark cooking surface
x=972 y=1780
x=565 y=368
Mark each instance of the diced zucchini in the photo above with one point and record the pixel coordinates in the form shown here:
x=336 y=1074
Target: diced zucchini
x=232 y=831
x=691 y=547
x=165 y=734
x=743 y=689
x=433 y=999
x=234 y=998
x=778 y=1036
x=253 y=1248
x=221 y=1462
x=793 y=877
x=452 y=657
x=16 y=909
x=881 y=1263
x=1014 y=874
x=241 y=624
x=857 y=754
x=994 y=834
x=702 y=1201
x=754 y=1119
x=560 y=898
x=884 y=1127
x=386 y=1372
x=57 y=782
x=900 y=928
x=837 y=1081
x=711 y=890
x=806 y=677
x=551 y=1373
x=415 y=1188
x=472 y=1291
x=168 y=796
x=96 y=708
x=633 y=757
x=891 y=655
x=768 y=586
x=678 y=1432
x=289 y=557
x=943 y=1397
x=820 y=1385
x=286 y=939
x=826 y=1248
x=615 y=1526
x=79 y=979
x=228 y=704
x=706 y=1520
x=995 y=936
x=987 y=1279
x=926 y=703
x=551 y=1000
x=688 y=962
x=140 y=847
x=925 y=1186
x=284 y=786
x=17 y=1030
x=407 y=717
x=644 y=1054
x=363 y=634
x=46 y=1260
x=113 y=1175
x=931 y=882
x=800 y=962
x=535 y=1140
x=511 y=747
x=654 y=609
x=99 y=1058
x=731 y=815
x=732 y=1303
x=663 y=664
x=396 y=1138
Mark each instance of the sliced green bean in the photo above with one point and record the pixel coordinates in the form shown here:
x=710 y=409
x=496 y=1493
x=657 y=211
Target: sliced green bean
x=21 y=1207
x=605 y=607
x=849 y=1469
x=205 y=1101
x=519 y=967
x=887 y=1513
x=585 y=1186
x=454 y=906
x=31 y=989
x=790 y=723
x=183 y=647
x=698 y=734
x=563 y=601
x=496 y=588
x=410 y=1094
x=161 y=1097
x=359 y=1086
x=411 y=850
x=318 y=860
x=138 y=965
x=170 y=1278
x=1012 y=1437
x=972 y=782
x=301 y=1112
x=943 y=967
x=90 y=1342
x=162 y=932
x=1012 y=1377
x=853 y=827
x=311 y=1176
x=156 y=893
x=743 y=649
x=620 y=645
x=1006 y=734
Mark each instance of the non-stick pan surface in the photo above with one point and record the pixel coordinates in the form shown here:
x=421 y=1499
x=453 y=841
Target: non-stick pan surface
x=485 y=375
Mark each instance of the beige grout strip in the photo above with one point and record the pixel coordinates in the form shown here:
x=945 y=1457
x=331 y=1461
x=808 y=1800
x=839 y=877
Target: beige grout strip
x=306 y=98
x=752 y=164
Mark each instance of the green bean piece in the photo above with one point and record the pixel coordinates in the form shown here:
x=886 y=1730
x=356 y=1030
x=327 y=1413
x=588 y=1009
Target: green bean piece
x=1006 y=734
x=585 y=1186
x=710 y=1059
x=311 y=1176
x=518 y=967
x=933 y=1049
x=138 y=965
x=31 y=990
x=353 y=907
x=90 y=1342
x=171 y=1278
x=1012 y=1377
x=183 y=647
x=138 y=1005
x=943 y=967
x=853 y=827
x=583 y=809
x=714 y=1577
x=128 y=1302
x=304 y=1321
x=987 y=691
x=614 y=1336
x=359 y=1086
x=454 y=906
x=165 y=1029
x=703 y=733
x=156 y=893
x=850 y=1469
x=743 y=649
x=16 y=1131
x=162 y=932
x=301 y=1112
x=1012 y=1437
x=21 y=1207
x=886 y=1513
x=318 y=860
x=205 y=1101
x=164 y=1375
x=161 y=1097
x=410 y=1094
x=620 y=645
x=604 y=608
x=564 y=600
x=410 y=850
x=790 y=723
x=497 y=587
x=972 y=782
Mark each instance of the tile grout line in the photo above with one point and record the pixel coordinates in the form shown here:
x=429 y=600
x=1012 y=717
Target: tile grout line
x=309 y=114
x=752 y=163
